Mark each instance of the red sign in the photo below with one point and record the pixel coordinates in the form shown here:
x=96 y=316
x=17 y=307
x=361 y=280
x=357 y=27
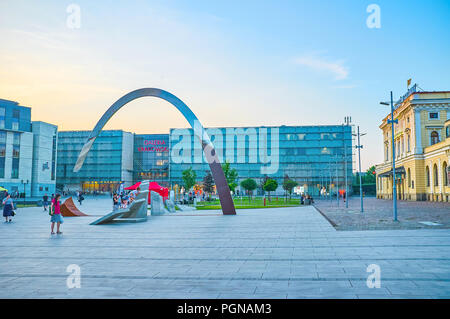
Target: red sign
x=155 y=148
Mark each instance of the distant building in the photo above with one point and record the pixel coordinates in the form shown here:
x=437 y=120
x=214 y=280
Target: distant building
x=27 y=152
x=313 y=156
x=109 y=162
x=422 y=148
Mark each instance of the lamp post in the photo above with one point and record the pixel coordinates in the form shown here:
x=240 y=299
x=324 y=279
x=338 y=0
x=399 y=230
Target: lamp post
x=24 y=182
x=359 y=147
x=347 y=121
x=394 y=187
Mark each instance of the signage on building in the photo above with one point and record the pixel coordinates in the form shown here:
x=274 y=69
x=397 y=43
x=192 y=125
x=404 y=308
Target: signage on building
x=412 y=89
x=153 y=146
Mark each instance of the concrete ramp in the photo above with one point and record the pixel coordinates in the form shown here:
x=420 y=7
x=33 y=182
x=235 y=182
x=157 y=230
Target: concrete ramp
x=68 y=209
x=135 y=212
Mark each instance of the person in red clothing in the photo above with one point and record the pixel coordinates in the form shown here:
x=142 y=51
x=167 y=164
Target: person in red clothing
x=56 y=214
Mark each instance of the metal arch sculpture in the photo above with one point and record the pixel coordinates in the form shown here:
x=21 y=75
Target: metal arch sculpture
x=208 y=148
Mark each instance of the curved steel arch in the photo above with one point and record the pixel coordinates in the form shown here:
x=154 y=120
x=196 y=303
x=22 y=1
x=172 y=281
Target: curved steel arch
x=208 y=148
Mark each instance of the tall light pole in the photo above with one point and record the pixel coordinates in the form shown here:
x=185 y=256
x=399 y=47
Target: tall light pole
x=337 y=182
x=347 y=121
x=394 y=187
x=359 y=147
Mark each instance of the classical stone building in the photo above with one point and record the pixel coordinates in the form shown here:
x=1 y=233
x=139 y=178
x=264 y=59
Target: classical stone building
x=422 y=148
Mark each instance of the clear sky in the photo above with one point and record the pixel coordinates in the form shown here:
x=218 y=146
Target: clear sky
x=235 y=63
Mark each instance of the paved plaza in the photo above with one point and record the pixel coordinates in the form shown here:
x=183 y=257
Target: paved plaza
x=260 y=253
x=378 y=214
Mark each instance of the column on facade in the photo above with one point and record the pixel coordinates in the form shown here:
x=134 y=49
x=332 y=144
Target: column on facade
x=417 y=132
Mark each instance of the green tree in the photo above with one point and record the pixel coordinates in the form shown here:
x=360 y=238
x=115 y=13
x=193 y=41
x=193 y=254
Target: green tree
x=262 y=181
x=270 y=185
x=208 y=183
x=370 y=177
x=231 y=175
x=189 y=176
x=249 y=185
x=288 y=186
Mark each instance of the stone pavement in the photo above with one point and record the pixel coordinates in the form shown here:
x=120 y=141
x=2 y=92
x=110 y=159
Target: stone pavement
x=378 y=214
x=260 y=253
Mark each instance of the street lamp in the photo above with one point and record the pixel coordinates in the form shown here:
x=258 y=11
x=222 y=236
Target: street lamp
x=394 y=187
x=24 y=182
x=359 y=147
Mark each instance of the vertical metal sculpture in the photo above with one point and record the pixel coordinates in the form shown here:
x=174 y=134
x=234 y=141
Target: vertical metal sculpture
x=208 y=148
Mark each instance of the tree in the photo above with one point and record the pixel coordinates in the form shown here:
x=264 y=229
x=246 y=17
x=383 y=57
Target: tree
x=231 y=175
x=288 y=186
x=208 y=183
x=262 y=181
x=371 y=177
x=249 y=185
x=270 y=186
x=189 y=177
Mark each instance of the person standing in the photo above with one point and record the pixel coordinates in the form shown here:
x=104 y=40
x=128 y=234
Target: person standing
x=8 y=208
x=80 y=198
x=45 y=201
x=116 y=203
x=56 y=215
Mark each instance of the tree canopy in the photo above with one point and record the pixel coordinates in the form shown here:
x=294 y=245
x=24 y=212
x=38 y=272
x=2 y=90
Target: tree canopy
x=189 y=176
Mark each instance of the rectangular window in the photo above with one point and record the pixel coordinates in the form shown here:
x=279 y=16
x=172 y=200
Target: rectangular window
x=15 y=125
x=15 y=168
x=16 y=139
x=434 y=115
x=2 y=117
x=16 y=113
x=2 y=167
x=16 y=151
x=53 y=172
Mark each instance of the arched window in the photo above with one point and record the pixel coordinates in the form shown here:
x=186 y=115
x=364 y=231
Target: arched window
x=409 y=177
x=435 y=175
x=444 y=171
x=428 y=176
x=434 y=137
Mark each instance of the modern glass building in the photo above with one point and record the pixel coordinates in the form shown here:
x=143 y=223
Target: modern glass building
x=27 y=152
x=151 y=158
x=311 y=155
x=109 y=162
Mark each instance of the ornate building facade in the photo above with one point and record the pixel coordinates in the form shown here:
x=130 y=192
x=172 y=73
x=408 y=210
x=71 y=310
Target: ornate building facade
x=422 y=148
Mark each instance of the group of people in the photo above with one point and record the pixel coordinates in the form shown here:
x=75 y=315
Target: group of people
x=306 y=199
x=122 y=200
x=55 y=210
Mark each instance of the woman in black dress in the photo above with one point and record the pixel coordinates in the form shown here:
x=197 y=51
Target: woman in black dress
x=8 y=208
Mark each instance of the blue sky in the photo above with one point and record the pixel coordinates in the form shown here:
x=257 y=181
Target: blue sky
x=232 y=62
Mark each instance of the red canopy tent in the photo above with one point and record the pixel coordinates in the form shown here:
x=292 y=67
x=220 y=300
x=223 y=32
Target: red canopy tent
x=153 y=186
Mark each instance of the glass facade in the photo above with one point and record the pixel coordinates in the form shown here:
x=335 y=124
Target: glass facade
x=2 y=153
x=151 y=158
x=310 y=155
x=313 y=156
x=15 y=155
x=102 y=169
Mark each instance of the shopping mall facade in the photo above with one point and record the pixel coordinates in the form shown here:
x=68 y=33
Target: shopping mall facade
x=311 y=155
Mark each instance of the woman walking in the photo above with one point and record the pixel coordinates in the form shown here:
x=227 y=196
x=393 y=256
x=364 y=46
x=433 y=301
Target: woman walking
x=56 y=214
x=8 y=208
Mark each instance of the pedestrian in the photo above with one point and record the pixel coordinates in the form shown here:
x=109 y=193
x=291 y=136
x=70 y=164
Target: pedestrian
x=80 y=197
x=55 y=212
x=8 y=208
x=45 y=201
x=116 y=203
